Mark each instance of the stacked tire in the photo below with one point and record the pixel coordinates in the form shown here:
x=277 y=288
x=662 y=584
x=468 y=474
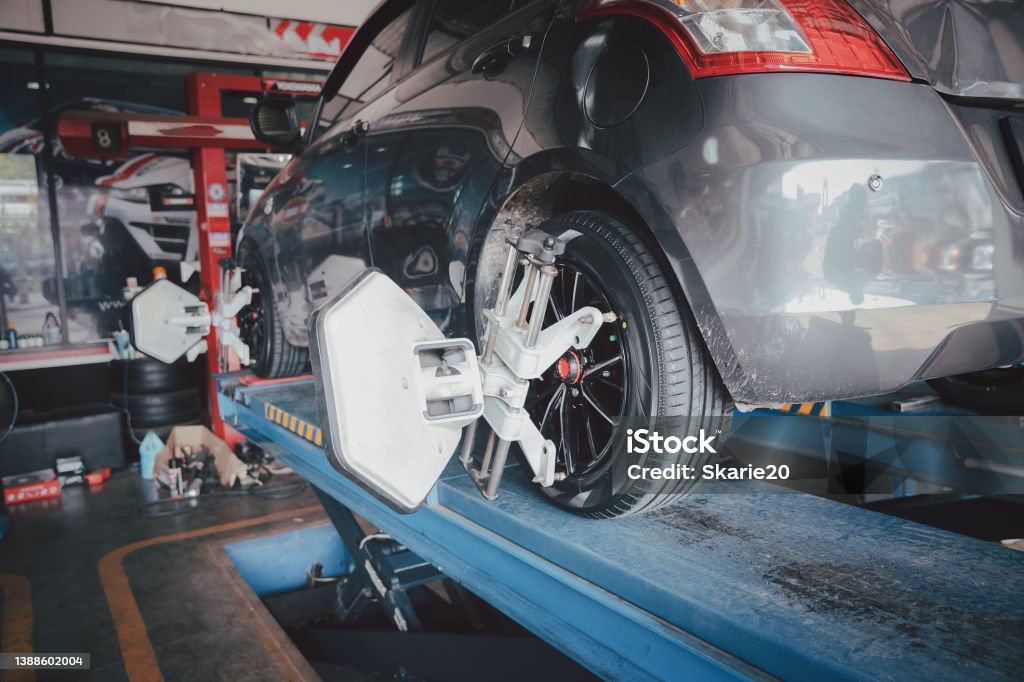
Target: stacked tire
x=156 y=396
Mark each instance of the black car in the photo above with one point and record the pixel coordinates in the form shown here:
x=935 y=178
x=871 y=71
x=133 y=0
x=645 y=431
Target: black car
x=779 y=201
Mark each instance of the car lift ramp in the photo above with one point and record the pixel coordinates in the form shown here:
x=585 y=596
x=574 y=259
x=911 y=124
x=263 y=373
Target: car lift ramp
x=754 y=585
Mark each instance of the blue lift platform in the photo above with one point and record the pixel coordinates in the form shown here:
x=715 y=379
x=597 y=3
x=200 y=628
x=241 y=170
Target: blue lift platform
x=765 y=584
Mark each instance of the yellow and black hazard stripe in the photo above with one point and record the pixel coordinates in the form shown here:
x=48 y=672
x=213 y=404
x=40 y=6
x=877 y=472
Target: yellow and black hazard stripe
x=300 y=428
x=807 y=409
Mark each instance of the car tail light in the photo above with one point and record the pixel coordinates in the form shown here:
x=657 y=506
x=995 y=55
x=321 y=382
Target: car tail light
x=724 y=37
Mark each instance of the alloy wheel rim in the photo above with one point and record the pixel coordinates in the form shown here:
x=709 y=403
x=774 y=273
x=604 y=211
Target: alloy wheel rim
x=578 y=403
x=251 y=318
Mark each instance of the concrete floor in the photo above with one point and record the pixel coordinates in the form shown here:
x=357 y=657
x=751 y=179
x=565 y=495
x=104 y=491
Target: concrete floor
x=148 y=598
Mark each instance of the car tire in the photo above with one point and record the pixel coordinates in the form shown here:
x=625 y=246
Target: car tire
x=157 y=401
x=259 y=324
x=163 y=430
x=994 y=390
x=665 y=377
x=149 y=419
x=145 y=376
x=155 y=396
x=154 y=413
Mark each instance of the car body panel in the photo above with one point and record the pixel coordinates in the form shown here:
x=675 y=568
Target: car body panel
x=835 y=236
x=806 y=283
x=313 y=215
x=404 y=191
x=964 y=48
x=439 y=140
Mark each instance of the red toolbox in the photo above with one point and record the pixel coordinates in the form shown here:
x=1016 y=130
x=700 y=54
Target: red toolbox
x=35 y=485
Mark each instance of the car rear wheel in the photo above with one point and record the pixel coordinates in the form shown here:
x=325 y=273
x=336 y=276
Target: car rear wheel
x=259 y=325
x=647 y=369
x=145 y=376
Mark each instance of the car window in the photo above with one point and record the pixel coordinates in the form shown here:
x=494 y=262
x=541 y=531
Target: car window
x=455 y=20
x=369 y=77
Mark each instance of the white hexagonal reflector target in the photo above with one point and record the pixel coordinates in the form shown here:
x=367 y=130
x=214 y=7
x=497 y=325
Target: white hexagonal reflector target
x=393 y=392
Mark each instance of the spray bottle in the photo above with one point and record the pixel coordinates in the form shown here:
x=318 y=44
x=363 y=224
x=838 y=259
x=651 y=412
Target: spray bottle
x=51 y=330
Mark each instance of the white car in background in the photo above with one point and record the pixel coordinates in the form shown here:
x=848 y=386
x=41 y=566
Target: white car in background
x=149 y=200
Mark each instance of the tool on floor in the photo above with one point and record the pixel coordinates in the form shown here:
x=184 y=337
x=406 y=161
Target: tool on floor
x=198 y=469
x=98 y=476
x=70 y=471
x=35 y=485
x=176 y=482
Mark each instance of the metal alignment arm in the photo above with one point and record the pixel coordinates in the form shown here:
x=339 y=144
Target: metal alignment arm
x=518 y=348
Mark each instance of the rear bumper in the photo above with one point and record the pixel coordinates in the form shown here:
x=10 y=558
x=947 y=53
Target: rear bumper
x=839 y=237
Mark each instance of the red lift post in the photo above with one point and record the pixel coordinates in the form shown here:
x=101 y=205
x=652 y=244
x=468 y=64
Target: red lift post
x=207 y=134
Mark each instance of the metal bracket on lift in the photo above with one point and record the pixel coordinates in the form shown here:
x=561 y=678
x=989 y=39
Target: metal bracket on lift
x=517 y=350
x=231 y=297
x=384 y=572
x=169 y=322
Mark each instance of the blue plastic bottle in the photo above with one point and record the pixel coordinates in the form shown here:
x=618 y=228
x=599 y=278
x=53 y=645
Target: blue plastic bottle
x=148 y=450
x=12 y=336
